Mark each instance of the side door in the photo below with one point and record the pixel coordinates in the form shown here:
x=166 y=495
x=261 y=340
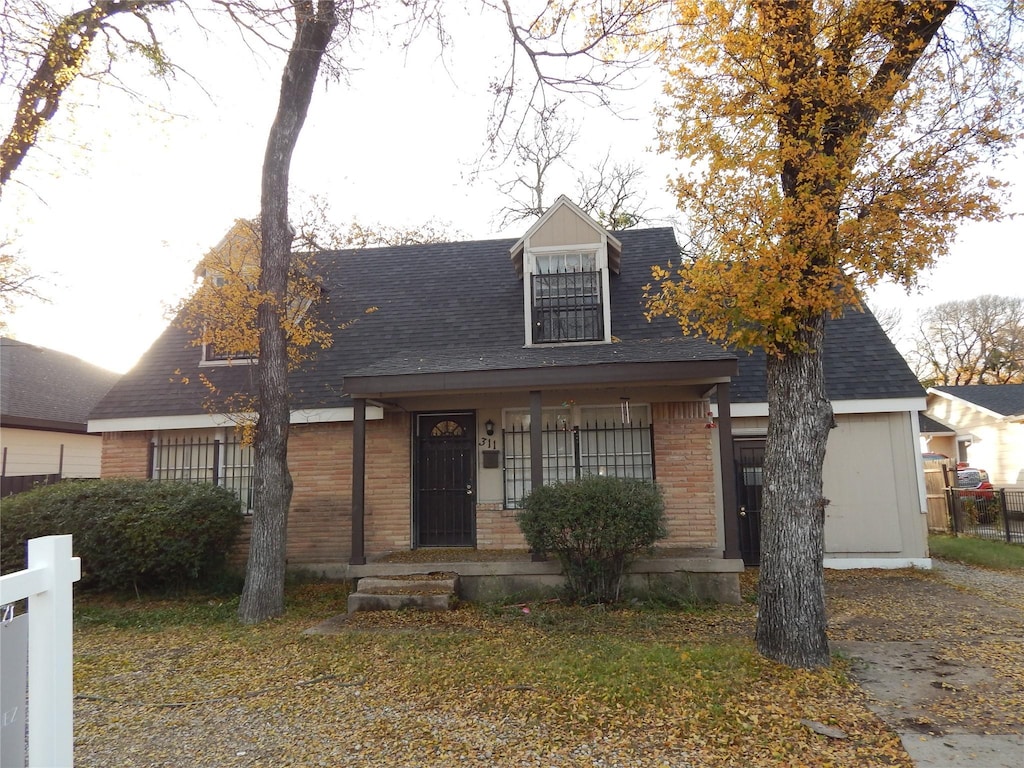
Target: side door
x=749 y=458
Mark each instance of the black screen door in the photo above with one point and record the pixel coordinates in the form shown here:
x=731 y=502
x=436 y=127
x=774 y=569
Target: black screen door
x=749 y=456
x=445 y=510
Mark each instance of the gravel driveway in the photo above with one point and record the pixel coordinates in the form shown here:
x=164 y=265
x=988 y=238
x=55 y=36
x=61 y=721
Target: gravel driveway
x=949 y=677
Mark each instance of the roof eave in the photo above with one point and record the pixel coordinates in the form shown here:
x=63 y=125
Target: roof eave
x=524 y=379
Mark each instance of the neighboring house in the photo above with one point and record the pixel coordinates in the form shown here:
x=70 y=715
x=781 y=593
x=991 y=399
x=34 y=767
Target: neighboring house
x=45 y=399
x=463 y=374
x=985 y=424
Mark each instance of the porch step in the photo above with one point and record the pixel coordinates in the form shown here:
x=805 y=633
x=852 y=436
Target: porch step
x=423 y=591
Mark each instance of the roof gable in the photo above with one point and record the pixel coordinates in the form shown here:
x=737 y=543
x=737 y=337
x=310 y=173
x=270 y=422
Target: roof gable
x=565 y=223
x=999 y=399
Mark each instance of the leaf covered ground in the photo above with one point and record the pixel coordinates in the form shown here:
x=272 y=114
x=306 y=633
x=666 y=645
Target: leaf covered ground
x=182 y=683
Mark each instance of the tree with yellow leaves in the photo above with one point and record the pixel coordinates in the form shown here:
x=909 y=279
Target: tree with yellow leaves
x=829 y=144
x=221 y=315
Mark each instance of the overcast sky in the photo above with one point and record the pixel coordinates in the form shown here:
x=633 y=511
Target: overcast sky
x=116 y=207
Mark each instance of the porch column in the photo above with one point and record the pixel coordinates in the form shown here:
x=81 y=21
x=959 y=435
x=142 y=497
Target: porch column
x=730 y=511
x=536 y=451
x=358 y=556
x=536 y=441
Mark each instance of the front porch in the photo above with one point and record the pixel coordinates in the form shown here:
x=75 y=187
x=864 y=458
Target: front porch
x=500 y=575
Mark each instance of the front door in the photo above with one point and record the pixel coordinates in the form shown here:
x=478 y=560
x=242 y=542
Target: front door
x=444 y=512
x=749 y=456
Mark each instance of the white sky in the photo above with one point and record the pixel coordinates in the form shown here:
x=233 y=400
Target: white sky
x=121 y=201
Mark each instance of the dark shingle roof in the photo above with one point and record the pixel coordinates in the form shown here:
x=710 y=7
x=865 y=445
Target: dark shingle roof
x=46 y=389
x=451 y=307
x=1004 y=399
x=929 y=425
x=861 y=363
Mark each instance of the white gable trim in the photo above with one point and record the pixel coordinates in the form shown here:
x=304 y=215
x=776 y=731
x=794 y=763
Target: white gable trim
x=884 y=405
x=559 y=203
x=208 y=420
x=975 y=406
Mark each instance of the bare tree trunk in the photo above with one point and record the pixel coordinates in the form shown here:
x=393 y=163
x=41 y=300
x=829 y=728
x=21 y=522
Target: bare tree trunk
x=263 y=594
x=791 y=624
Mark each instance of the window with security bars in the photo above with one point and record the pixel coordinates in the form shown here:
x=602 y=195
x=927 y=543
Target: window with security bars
x=567 y=298
x=603 y=443
x=203 y=459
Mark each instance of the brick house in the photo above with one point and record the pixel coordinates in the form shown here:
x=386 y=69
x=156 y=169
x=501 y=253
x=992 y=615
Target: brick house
x=463 y=374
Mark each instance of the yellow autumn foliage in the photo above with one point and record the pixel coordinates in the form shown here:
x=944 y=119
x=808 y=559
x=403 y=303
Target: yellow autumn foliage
x=222 y=312
x=826 y=145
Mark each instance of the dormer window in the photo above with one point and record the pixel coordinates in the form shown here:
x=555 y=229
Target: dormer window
x=567 y=296
x=565 y=261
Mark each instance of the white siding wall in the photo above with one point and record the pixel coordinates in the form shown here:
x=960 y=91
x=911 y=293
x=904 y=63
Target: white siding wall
x=35 y=452
x=871 y=480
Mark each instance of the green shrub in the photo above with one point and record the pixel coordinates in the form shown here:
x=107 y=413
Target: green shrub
x=596 y=527
x=129 y=533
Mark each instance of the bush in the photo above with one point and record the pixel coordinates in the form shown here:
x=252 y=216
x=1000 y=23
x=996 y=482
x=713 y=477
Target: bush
x=596 y=527
x=129 y=533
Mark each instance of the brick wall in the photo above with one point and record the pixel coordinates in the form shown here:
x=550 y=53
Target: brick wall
x=388 y=519
x=125 y=454
x=319 y=521
x=320 y=460
x=496 y=528
x=685 y=467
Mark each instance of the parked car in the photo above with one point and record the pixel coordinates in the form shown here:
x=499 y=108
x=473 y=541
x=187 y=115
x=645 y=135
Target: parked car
x=976 y=479
x=977 y=494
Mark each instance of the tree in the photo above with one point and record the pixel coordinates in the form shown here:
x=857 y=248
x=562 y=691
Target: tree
x=43 y=51
x=973 y=341
x=263 y=593
x=831 y=145
x=15 y=281
x=608 y=191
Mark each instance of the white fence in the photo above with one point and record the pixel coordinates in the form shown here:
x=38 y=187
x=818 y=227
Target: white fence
x=47 y=585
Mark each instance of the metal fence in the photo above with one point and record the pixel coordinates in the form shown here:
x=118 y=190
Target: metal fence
x=9 y=486
x=996 y=514
x=227 y=463
x=616 y=450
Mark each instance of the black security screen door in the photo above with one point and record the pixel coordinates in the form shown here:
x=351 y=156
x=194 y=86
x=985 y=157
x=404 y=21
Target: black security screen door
x=749 y=488
x=445 y=509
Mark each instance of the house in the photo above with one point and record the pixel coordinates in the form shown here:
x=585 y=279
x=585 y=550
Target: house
x=463 y=374
x=45 y=399
x=984 y=428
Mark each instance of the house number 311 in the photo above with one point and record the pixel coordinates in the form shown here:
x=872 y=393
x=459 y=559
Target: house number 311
x=488 y=442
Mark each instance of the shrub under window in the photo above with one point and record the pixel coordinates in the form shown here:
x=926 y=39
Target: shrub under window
x=596 y=527
x=129 y=533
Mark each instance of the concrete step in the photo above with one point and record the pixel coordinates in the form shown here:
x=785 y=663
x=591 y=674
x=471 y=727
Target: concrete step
x=372 y=585
x=423 y=591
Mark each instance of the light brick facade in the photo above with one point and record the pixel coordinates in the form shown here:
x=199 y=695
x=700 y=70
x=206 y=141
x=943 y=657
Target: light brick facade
x=125 y=454
x=685 y=471
x=320 y=460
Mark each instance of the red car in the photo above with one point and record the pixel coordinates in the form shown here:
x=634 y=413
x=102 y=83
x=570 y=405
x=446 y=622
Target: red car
x=975 y=479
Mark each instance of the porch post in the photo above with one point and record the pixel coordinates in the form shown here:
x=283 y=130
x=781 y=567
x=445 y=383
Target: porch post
x=536 y=451
x=536 y=441
x=730 y=520
x=358 y=556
